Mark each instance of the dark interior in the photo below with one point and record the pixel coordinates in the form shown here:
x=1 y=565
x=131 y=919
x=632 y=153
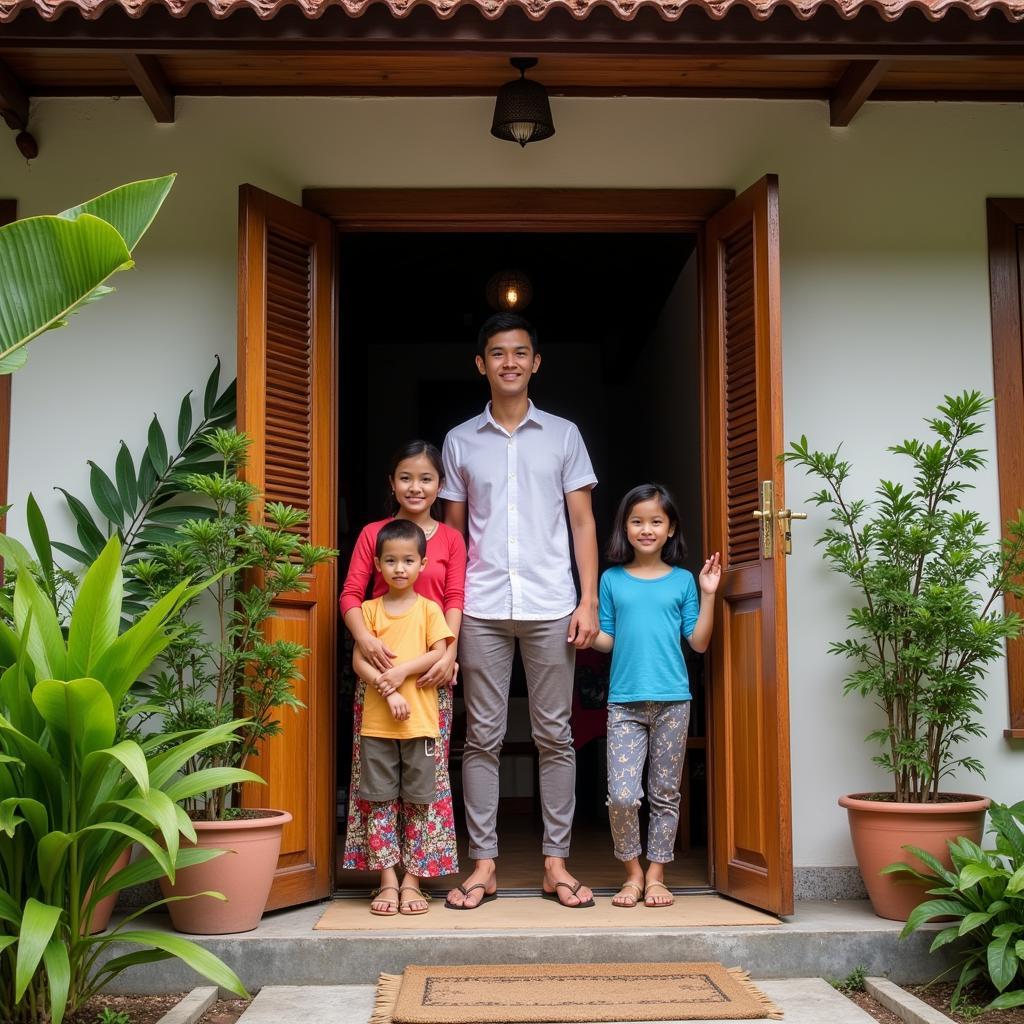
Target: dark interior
x=617 y=317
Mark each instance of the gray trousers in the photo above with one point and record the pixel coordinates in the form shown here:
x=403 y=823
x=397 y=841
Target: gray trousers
x=486 y=649
x=655 y=732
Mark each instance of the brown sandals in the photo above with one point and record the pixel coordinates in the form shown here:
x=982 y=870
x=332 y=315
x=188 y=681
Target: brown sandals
x=486 y=898
x=573 y=889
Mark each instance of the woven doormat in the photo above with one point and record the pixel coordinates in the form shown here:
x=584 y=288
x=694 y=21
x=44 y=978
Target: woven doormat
x=569 y=994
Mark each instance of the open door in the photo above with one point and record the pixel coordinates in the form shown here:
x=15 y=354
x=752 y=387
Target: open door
x=286 y=371
x=752 y=849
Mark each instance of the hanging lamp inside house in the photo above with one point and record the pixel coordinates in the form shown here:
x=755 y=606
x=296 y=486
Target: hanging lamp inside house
x=509 y=291
x=521 y=110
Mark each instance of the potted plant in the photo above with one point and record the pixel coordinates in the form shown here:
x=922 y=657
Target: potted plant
x=927 y=624
x=74 y=798
x=221 y=664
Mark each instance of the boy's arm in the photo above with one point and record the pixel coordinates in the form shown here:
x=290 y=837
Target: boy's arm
x=397 y=674
x=583 y=626
x=603 y=642
x=399 y=706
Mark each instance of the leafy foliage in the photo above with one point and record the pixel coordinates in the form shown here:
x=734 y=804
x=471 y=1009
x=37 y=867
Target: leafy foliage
x=931 y=585
x=248 y=564
x=73 y=798
x=53 y=266
x=143 y=501
x=853 y=982
x=985 y=893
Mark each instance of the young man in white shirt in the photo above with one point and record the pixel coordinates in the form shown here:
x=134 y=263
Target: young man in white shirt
x=510 y=474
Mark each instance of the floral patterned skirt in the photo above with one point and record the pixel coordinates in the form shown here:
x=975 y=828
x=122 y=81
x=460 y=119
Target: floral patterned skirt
x=420 y=837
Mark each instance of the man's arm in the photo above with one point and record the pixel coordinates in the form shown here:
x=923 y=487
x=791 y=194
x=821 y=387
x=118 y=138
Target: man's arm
x=583 y=625
x=455 y=516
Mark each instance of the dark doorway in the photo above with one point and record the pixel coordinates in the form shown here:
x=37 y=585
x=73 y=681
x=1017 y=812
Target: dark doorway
x=618 y=321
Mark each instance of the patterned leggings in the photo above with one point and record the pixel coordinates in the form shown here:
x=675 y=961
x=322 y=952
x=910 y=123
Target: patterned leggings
x=652 y=731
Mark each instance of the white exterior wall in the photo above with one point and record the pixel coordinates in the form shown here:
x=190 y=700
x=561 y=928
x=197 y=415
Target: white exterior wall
x=885 y=296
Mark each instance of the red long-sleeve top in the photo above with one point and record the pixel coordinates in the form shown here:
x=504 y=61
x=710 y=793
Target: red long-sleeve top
x=442 y=581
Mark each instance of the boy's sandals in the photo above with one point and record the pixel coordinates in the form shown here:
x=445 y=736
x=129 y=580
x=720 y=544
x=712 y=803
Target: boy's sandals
x=405 y=906
x=628 y=899
x=392 y=905
x=663 y=902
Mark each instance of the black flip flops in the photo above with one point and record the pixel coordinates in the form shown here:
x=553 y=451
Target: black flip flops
x=486 y=898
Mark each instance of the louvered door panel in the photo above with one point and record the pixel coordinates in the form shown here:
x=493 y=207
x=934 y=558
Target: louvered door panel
x=286 y=368
x=751 y=840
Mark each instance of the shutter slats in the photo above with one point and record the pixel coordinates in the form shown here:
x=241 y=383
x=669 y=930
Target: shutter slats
x=288 y=472
x=741 y=470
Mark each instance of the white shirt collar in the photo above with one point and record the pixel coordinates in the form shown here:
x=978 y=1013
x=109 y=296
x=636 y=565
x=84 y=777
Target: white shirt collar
x=486 y=418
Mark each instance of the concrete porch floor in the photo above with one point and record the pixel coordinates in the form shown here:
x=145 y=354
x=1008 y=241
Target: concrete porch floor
x=802 y=1000
x=819 y=940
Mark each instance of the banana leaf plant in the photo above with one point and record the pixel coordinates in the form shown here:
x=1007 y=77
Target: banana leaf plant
x=54 y=265
x=73 y=798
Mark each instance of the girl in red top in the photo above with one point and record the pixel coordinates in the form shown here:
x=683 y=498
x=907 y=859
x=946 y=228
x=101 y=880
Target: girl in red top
x=425 y=840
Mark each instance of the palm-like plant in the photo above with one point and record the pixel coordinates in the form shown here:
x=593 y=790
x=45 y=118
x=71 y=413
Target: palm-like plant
x=73 y=798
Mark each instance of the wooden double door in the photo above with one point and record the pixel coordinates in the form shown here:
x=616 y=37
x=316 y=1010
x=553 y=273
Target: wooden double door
x=288 y=397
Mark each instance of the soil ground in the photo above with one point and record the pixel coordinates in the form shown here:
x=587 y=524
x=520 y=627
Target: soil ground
x=938 y=996
x=149 y=1009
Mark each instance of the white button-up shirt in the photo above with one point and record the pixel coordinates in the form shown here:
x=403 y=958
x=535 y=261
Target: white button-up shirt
x=514 y=484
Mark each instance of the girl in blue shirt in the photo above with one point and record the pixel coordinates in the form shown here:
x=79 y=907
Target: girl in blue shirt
x=648 y=601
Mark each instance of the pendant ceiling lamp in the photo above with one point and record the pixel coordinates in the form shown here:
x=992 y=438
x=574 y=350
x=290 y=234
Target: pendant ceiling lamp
x=509 y=291
x=521 y=110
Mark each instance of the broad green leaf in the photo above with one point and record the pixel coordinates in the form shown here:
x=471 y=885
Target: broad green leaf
x=949 y=877
x=932 y=908
x=147 y=869
x=15 y=554
x=1007 y=1001
x=1016 y=882
x=1002 y=962
x=165 y=765
x=40 y=539
x=9 y=909
x=946 y=936
x=156 y=851
x=210 y=393
x=80 y=710
x=58 y=977
x=974 y=920
x=11 y=362
x=143 y=956
x=157 y=808
x=130 y=208
x=50 y=857
x=208 y=779
x=124 y=474
x=72 y=552
x=185 y=420
x=97 y=611
x=157 y=447
x=199 y=959
x=147 y=477
x=104 y=493
x=38 y=922
x=224 y=408
x=35 y=615
x=972 y=874
x=89 y=533
x=50 y=266
x=130 y=754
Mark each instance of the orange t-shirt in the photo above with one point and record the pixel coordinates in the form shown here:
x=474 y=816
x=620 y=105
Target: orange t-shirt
x=409 y=636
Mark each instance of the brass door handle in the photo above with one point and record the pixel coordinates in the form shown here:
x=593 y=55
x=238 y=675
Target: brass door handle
x=785 y=517
x=785 y=513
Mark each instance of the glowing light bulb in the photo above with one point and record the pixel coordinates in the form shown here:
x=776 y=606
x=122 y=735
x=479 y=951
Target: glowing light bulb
x=512 y=297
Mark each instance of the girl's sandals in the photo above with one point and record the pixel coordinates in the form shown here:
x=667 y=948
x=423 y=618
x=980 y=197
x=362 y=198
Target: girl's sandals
x=392 y=905
x=405 y=906
x=626 y=899
x=662 y=902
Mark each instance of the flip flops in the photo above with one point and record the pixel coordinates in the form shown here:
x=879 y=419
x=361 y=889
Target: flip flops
x=622 y=892
x=393 y=904
x=573 y=889
x=486 y=898
x=403 y=905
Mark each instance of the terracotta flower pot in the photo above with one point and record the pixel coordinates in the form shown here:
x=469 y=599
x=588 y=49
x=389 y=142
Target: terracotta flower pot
x=880 y=829
x=102 y=911
x=243 y=874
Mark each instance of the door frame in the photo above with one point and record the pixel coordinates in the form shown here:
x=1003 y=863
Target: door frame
x=535 y=211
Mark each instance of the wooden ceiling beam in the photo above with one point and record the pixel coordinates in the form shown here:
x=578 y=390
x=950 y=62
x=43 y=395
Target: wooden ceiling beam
x=858 y=82
x=150 y=80
x=13 y=100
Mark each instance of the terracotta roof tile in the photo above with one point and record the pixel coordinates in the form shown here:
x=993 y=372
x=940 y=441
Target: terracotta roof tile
x=670 y=10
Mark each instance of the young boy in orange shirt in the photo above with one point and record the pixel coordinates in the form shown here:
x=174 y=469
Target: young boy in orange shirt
x=400 y=719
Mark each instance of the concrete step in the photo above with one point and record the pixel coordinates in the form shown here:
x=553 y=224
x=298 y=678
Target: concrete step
x=820 y=940
x=802 y=1000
